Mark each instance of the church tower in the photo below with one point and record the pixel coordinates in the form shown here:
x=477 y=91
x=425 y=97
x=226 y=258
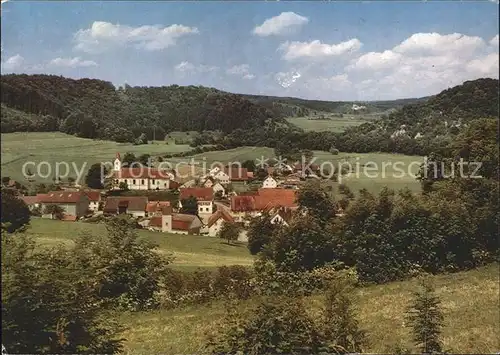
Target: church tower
x=117 y=163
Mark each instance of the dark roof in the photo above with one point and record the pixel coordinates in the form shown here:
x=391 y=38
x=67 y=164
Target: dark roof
x=132 y=203
x=61 y=197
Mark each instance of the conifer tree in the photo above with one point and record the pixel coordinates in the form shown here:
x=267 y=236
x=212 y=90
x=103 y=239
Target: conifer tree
x=426 y=319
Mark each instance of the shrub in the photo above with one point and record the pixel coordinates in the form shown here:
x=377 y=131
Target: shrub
x=233 y=279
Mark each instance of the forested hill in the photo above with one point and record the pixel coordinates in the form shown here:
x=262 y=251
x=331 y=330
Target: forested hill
x=292 y=106
x=450 y=108
x=429 y=126
x=96 y=109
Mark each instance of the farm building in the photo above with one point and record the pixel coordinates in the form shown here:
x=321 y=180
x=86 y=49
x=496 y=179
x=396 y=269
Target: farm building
x=74 y=203
x=133 y=205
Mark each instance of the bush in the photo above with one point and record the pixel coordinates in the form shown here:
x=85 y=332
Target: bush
x=275 y=326
x=233 y=279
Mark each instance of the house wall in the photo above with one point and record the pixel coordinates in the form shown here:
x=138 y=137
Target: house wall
x=137 y=213
x=205 y=207
x=243 y=236
x=94 y=206
x=214 y=228
x=269 y=183
x=145 y=183
x=222 y=177
x=75 y=209
x=166 y=223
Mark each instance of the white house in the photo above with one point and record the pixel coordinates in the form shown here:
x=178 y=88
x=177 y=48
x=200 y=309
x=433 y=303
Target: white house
x=142 y=178
x=216 y=220
x=269 y=183
x=94 y=200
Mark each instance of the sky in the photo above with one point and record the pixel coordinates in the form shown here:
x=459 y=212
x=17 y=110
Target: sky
x=378 y=50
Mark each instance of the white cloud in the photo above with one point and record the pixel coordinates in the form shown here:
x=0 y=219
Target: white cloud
x=494 y=41
x=484 y=66
x=13 y=63
x=421 y=65
x=186 y=67
x=316 y=49
x=435 y=44
x=242 y=70
x=104 y=35
x=376 y=61
x=72 y=62
x=284 y=23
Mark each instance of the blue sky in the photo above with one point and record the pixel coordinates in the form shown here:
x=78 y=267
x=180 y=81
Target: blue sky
x=317 y=50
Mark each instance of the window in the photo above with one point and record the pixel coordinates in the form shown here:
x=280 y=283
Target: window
x=116 y=181
x=165 y=185
x=142 y=182
x=133 y=181
x=153 y=181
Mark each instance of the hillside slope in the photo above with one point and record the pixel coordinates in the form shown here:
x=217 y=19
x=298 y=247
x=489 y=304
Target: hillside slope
x=96 y=109
x=458 y=105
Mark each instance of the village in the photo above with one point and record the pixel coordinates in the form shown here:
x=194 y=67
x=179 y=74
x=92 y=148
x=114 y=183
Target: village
x=216 y=200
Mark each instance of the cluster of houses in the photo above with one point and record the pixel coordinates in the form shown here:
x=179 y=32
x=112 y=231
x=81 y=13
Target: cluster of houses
x=277 y=197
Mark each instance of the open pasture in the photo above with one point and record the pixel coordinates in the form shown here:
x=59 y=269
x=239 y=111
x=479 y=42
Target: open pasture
x=469 y=303
x=190 y=251
x=52 y=147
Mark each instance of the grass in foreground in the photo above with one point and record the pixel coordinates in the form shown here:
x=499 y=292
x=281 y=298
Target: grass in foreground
x=190 y=251
x=469 y=300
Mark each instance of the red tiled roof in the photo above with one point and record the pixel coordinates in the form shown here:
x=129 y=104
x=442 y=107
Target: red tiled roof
x=142 y=173
x=218 y=215
x=265 y=199
x=29 y=200
x=181 y=221
x=155 y=222
x=201 y=193
x=93 y=195
x=236 y=173
x=154 y=206
x=174 y=184
x=133 y=203
x=242 y=203
x=275 y=198
x=61 y=197
x=250 y=174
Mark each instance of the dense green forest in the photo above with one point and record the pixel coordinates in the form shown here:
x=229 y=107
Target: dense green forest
x=96 y=109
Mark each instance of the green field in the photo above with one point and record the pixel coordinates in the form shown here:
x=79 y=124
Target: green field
x=18 y=148
x=469 y=301
x=335 y=124
x=373 y=171
x=190 y=251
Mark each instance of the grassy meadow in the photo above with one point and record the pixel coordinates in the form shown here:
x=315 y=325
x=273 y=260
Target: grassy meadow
x=335 y=124
x=190 y=251
x=469 y=302
x=373 y=171
x=52 y=147
x=18 y=148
